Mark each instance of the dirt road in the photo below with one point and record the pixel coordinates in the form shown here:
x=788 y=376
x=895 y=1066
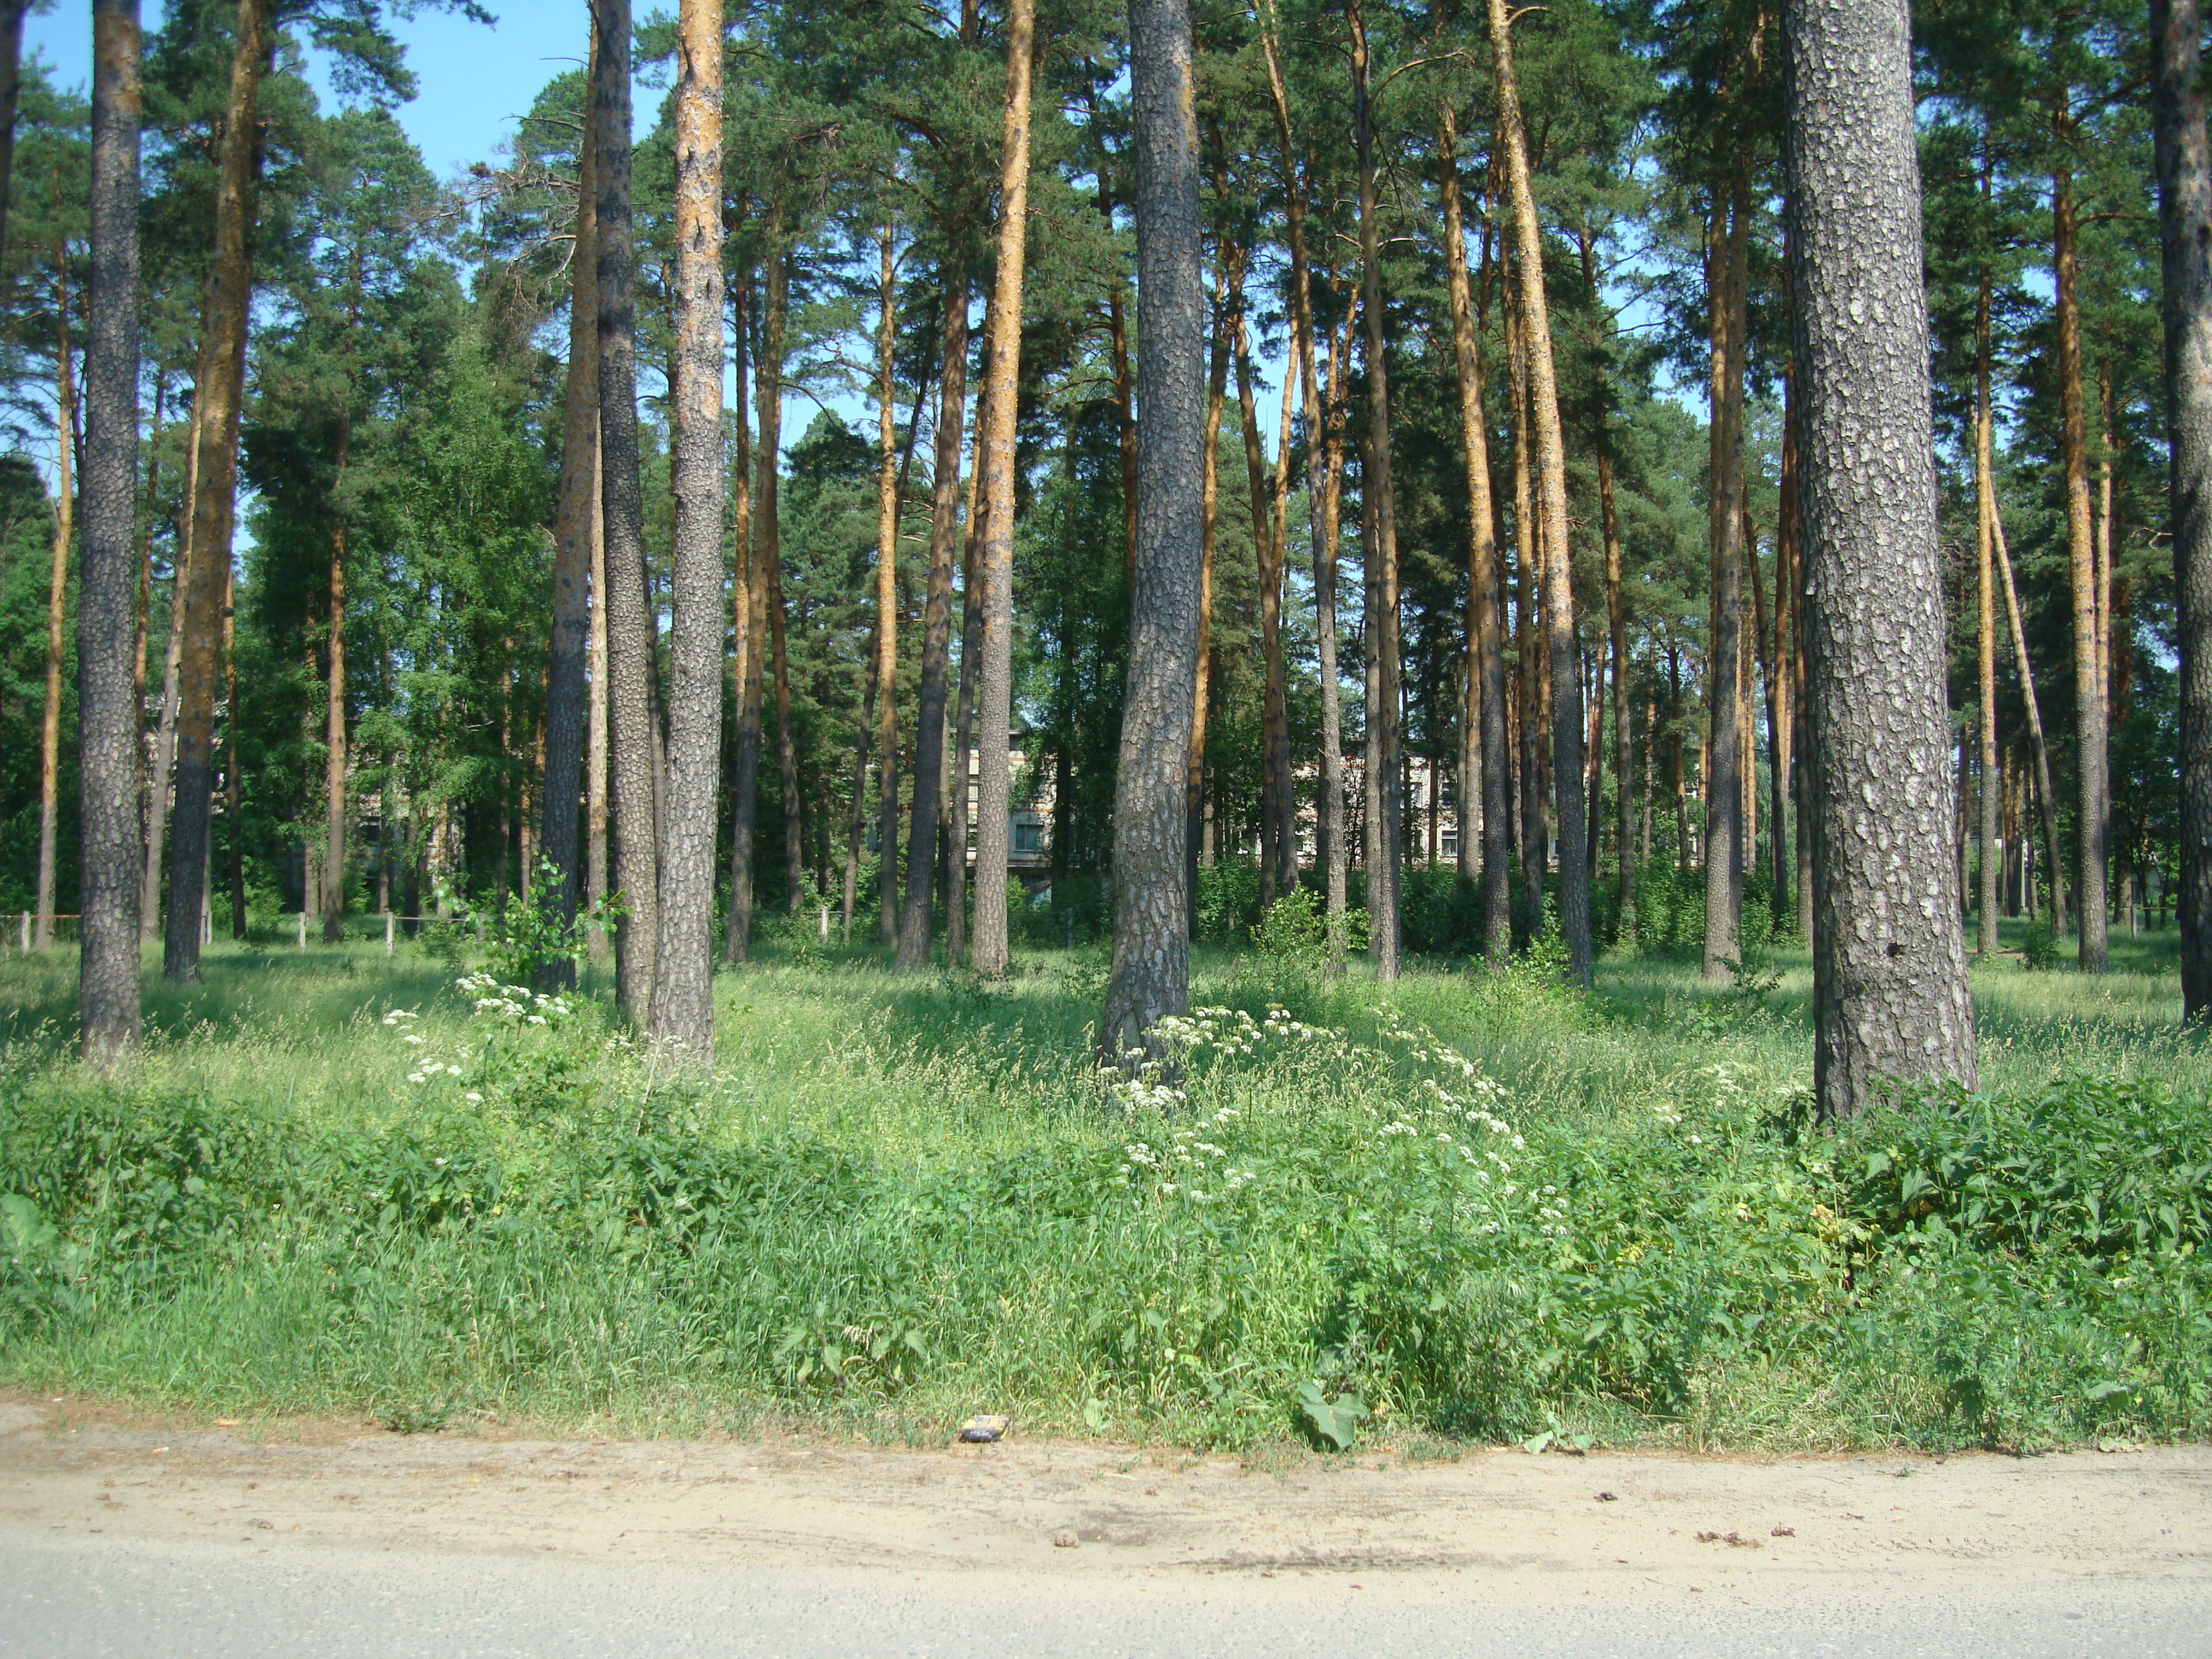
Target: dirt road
x=125 y=1537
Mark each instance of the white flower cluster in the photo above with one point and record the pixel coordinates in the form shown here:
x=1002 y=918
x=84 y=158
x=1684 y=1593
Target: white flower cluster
x=1472 y=1102
x=1140 y=1088
x=1231 y=1031
x=513 y=1004
x=1184 y=1163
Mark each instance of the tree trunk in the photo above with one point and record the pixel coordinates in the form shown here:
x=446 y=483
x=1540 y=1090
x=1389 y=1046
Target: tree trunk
x=767 y=547
x=1379 y=522
x=50 y=743
x=334 y=717
x=744 y=650
x=1484 y=716
x=2046 y=798
x=2093 y=810
x=1985 y=627
x=217 y=387
x=1278 y=864
x=683 y=1004
x=1326 y=536
x=1624 y=789
x=630 y=669
x=159 y=787
x=1527 y=821
x=1150 y=977
x=1727 y=251
x=886 y=641
x=1209 y=499
x=1564 y=655
x=1889 y=965
x=574 y=525
x=914 y=919
x=2184 y=206
x=595 y=764
x=964 y=726
x=107 y=631
x=994 y=494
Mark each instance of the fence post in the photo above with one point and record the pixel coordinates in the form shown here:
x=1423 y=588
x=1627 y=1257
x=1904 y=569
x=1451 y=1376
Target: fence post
x=303 y=930
x=388 y=932
x=825 y=924
x=26 y=936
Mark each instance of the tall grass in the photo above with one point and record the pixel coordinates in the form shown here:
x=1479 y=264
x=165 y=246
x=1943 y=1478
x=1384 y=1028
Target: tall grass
x=903 y=1199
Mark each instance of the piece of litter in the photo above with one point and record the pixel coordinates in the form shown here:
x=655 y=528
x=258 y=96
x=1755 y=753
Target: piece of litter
x=226 y=1422
x=1783 y=1532
x=1734 y=1540
x=982 y=1431
x=1065 y=1539
x=1608 y=1498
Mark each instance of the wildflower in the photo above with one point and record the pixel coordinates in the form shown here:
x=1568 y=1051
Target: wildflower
x=473 y=1098
x=409 y=1036
x=453 y=1071
x=414 y=1077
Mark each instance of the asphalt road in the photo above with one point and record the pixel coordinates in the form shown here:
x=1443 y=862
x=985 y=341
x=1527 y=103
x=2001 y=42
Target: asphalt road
x=94 y=1597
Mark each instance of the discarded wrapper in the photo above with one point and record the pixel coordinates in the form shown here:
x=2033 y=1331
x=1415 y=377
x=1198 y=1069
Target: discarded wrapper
x=981 y=1431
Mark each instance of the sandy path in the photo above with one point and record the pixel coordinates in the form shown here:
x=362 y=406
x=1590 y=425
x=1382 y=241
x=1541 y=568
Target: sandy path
x=1527 y=1525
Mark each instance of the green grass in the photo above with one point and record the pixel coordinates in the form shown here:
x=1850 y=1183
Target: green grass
x=901 y=1200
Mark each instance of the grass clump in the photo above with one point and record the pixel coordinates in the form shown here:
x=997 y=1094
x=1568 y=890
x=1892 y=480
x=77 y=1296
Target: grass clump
x=1469 y=1206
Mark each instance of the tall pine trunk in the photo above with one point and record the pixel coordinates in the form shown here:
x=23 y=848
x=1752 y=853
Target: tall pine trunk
x=1151 y=975
x=108 y=629
x=334 y=660
x=886 y=640
x=994 y=494
x=50 y=733
x=160 y=785
x=2185 y=208
x=1985 y=630
x=915 y=918
x=683 y=1000
x=1889 y=972
x=218 y=387
x=2092 y=806
x=2046 y=798
x=1379 y=524
x=596 y=872
x=768 y=543
x=632 y=734
x=1563 y=657
x=744 y=650
x=1484 y=716
x=964 y=730
x=1727 y=281
x=573 y=597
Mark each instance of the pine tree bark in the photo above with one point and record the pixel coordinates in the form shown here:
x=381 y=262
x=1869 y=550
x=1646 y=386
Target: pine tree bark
x=50 y=734
x=108 y=630
x=1279 y=872
x=2091 y=807
x=218 y=386
x=574 y=517
x=160 y=784
x=1564 y=654
x=683 y=1004
x=1985 y=630
x=1151 y=975
x=1726 y=281
x=886 y=641
x=1209 y=502
x=596 y=871
x=2184 y=206
x=1485 y=712
x=1616 y=618
x=964 y=726
x=2046 y=797
x=768 y=546
x=334 y=663
x=1379 y=526
x=631 y=731
x=744 y=648
x=1889 y=964
x=994 y=494
x=923 y=807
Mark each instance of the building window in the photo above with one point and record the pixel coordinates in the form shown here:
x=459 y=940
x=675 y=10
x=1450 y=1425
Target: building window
x=1029 y=837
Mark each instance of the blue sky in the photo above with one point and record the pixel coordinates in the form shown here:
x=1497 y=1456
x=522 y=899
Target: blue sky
x=475 y=83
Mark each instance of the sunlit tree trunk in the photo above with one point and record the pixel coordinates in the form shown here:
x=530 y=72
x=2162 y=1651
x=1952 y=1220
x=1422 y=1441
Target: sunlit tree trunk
x=1379 y=524
x=964 y=726
x=1209 y=501
x=1727 y=280
x=573 y=593
x=767 y=545
x=1889 y=964
x=914 y=920
x=886 y=640
x=50 y=735
x=334 y=689
x=218 y=386
x=2184 y=204
x=1151 y=975
x=1563 y=657
x=745 y=648
x=2091 y=807
x=1986 y=628
x=108 y=633
x=632 y=730
x=2046 y=798
x=682 y=1001
x=596 y=871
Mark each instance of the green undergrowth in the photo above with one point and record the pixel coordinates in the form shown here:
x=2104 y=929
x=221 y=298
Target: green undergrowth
x=1468 y=1205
